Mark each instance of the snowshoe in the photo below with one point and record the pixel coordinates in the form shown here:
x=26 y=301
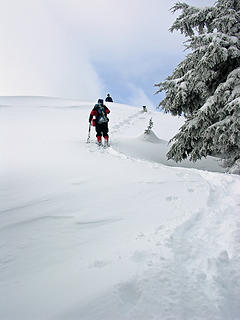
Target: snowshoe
x=106 y=144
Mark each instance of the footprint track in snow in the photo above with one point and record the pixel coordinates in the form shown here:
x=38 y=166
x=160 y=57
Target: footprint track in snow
x=126 y=122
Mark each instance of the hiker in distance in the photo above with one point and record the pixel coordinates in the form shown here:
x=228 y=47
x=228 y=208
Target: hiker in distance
x=100 y=122
x=109 y=98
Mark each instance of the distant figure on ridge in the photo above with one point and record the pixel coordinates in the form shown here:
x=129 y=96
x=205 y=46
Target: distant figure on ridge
x=109 y=98
x=100 y=112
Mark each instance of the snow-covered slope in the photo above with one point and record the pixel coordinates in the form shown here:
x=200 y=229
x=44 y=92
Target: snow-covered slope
x=117 y=233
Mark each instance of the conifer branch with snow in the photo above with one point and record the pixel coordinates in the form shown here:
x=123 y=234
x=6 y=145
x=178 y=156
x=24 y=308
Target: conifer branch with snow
x=205 y=87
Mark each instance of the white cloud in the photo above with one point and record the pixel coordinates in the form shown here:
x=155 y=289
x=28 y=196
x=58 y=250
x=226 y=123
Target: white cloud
x=54 y=47
x=120 y=27
x=138 y=97
x=38 y=57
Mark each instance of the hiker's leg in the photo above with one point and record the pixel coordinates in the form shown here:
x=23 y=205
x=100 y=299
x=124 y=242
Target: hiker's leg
x=105 y=130
x=99 y=133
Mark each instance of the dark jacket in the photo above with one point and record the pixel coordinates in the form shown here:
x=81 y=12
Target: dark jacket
x=109 y=99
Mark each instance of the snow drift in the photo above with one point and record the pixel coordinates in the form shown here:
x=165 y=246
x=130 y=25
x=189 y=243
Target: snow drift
x=117 y=233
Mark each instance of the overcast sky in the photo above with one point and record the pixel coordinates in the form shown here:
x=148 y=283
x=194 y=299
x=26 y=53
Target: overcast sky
x=86 y=49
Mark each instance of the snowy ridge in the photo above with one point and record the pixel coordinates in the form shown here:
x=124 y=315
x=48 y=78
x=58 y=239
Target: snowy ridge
x=33 y=101
x=114 y=233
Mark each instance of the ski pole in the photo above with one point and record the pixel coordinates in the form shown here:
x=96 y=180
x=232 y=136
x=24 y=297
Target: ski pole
x=89 y=132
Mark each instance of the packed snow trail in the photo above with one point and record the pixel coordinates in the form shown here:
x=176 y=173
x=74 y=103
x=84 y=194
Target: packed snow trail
x=102 y=234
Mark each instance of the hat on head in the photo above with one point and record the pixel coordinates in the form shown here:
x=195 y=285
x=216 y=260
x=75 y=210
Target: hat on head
x=100 y=101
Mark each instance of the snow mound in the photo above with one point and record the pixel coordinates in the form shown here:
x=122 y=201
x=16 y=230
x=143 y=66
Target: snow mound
x=151 y=148
x=151 y=137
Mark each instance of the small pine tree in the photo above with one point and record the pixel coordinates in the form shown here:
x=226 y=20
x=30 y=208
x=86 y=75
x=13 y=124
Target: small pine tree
x=149 y=128
x=205 y=87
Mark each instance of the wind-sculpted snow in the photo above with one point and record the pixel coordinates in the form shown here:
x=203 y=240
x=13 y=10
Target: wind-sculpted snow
x=91 y=233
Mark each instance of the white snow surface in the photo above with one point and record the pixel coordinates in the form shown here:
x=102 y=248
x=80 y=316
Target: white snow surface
x=121 y=233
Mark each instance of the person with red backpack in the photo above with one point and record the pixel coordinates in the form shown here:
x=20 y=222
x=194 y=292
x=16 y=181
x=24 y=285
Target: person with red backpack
x=100 y=122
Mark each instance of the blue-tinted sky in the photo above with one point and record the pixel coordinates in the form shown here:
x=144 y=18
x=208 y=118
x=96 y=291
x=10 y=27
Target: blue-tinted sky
x=86 y=49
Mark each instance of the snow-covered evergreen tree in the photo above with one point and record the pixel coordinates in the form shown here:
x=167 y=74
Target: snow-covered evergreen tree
x=205 y=87
x=149 y=128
